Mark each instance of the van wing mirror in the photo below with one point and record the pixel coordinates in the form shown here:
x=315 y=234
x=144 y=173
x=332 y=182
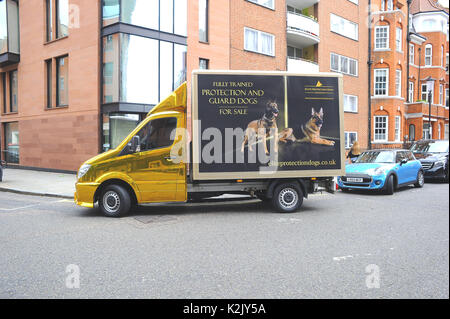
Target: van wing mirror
x=134 y=145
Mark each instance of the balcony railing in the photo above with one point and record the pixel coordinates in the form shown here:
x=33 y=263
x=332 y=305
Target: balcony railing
x=302 y=30
x=301 y=65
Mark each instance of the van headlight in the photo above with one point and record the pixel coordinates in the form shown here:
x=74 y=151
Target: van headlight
x=83 y=170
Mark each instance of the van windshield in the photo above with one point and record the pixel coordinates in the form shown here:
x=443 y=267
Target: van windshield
x=376 y=157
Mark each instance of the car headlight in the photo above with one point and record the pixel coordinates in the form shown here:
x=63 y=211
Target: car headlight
x=83 y=170
x=439 y=163
x=377 y=171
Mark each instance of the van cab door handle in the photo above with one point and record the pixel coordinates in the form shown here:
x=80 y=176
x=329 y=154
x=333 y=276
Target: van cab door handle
x=170 y=158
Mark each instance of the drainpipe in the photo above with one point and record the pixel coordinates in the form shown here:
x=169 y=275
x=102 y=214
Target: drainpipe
x=418 y=80
x=408 y=40
x=369 y=78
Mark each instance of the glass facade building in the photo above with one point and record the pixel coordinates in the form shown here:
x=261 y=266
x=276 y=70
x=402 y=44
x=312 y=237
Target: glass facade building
x=144 y=59
x=9 y=32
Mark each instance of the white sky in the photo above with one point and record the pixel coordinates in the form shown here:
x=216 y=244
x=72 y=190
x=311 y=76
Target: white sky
x=444 y=3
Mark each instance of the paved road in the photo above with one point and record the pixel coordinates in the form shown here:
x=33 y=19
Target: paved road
x=335 y=247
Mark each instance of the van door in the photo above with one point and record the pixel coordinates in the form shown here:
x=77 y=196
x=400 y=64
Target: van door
x=153 y=169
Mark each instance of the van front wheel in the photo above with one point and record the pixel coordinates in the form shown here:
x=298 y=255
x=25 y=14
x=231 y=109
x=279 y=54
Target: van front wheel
x=287 y=198
x=114 y=201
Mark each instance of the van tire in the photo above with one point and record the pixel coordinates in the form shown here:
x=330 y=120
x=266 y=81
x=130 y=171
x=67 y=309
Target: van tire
x=287 y=198
x=114 y=201
x=389 y=190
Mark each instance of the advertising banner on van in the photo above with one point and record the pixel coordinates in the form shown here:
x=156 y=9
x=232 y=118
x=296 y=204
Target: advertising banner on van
x=251 y=125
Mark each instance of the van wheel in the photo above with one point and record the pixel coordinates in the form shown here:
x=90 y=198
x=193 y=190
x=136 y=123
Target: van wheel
x=115 y=201
x=420 y=180
x=389 y=190
x=287 y=198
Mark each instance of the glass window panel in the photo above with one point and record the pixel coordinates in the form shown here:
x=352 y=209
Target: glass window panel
x=49 y=19
x=111 y=68
x=111 y=11
x=352 y=67
x=12 y=142
x=48 y=77
x=62 y=81
x=166 y=69
x=266 y=43
x=334 y=62
x=13 y=91
x=203 y=20
x=157 y=133
x=180 y=17
x=251 y=40
x=203 y=64
x=3 y=28
x=62 y=15
x=144 y=13
x=166 y=16
x=180 y=63
x=13 y=27
x=344 y=64
x=139 y=69
x=118 y=126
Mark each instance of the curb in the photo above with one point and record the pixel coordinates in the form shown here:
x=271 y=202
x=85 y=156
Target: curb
x=16 y=191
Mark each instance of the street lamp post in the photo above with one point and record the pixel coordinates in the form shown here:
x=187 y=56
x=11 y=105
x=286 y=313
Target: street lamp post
x=430 y=87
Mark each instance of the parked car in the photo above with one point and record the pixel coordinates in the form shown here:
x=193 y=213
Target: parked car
x=433 y=155
x=383 y=170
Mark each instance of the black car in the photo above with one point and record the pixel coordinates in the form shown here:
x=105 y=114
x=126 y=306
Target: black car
x=433 y=155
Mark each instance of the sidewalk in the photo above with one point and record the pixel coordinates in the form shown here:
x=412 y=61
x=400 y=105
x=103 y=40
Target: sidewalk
x=38 y=183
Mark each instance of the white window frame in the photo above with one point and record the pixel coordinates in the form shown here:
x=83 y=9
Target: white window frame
x=411 y=53
x=261 y=3
x=340 y=67
x=441 y=94
x=378 y=47
x=348 y=107
x=259 y=49
x=398 y=128
x=375 y=83
x=390 y=5
x=398 y=39
x=411 y=92
x=398 y=83
x=383 y=5
x=347 y=138
x=429 y=56
x=342 y=26
x=386 y=128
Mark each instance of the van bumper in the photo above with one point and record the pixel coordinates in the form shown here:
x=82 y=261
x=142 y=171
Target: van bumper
x=84 y=194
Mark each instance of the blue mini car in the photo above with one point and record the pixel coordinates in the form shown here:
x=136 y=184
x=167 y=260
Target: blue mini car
x=383 y=170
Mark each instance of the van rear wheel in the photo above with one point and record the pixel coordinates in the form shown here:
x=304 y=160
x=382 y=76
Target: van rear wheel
x=114 y=201
x=287 y=198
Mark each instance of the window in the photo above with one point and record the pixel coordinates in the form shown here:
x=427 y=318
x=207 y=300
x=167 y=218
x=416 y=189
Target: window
x=425 y=93
x=264 y=3
x=9 y=29
x=343 y=64
x=350 y=138
x=344 y=27
x=442 y=55
x=203 y=18
x=382 y=37
x=3 y=90
x=295 y=53
x=412 y=132
x=13 y=92
x=390 y=5
x=398 y=131
x=259 y=42
x=428 y=54
x=157 y=133
x=62 y=81
x=62 y=18
x=411 y=92
x=446 y=97
x=383 y=5
x=12 y=142
x=49 y=19
x=117 y=126
x=381 y=81
x=350 y=103
x=381 y=128
x=398 y=39
x=441 y=94
x=426 y=134
x=48 y=82
x=398 y=83
x=411 y=53
x=203 y=64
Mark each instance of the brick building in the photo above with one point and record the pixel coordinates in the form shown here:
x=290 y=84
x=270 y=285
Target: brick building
x=76 y=76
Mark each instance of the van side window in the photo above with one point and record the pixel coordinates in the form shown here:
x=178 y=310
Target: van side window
x=156 y=134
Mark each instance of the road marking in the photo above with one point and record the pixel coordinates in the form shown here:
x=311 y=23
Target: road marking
x=17 y=208
x=342 y=258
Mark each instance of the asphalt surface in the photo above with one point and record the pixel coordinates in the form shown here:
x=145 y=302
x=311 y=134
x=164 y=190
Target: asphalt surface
x=336 y=246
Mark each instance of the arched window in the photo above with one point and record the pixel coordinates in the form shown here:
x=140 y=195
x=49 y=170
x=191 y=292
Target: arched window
x=428 y=55
x=412 y=132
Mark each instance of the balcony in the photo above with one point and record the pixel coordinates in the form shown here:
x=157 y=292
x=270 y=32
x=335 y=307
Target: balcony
x=301 y=4
x=9 y=32
x=302 y=31
x=298 y=65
